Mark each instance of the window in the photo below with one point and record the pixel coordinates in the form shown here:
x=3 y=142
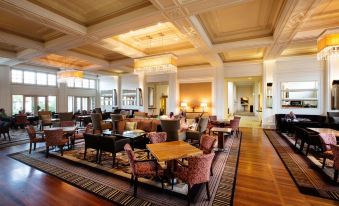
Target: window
x=29 y=77
x=85 y=83
x=29 y=104
x=41 y=104
x=84 y=103
x=70 y=103
x=78 y=83
x=52 y=103
x=70 y=82
x=16 y=76
x=17 y=103
x=92 y=83
x=299 y=94
x=92 y=105
x=41 y=78
x=51 y=79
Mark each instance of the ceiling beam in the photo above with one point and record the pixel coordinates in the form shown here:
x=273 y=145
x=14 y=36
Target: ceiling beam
x=91 y=59
x=289 y=23
x=33 y=12
x=244 y=44
x=7 y=54
x=19 y=41
x=120 y=47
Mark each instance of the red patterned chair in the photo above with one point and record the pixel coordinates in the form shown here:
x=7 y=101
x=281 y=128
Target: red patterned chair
x=157 y=137
x=207 y=143
x=55 y=138
x=335 y=149
x=67 y=124
x=142 y=168
x=33 y=139
x=234 y=125
x=21 y=121
x=196 y=172
x=326 y=141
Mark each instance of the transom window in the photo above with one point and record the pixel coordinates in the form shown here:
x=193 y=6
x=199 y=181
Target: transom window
x=81 y=83
x=32 y=77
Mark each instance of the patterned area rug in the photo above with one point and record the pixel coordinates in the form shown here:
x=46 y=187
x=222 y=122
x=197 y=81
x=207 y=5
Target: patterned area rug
x=305 y=174
x=113 y=184
x=18 y=136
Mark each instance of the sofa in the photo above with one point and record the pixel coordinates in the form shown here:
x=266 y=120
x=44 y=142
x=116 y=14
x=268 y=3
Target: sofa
x=333 y=120
x=304 y=120
x=147 y=125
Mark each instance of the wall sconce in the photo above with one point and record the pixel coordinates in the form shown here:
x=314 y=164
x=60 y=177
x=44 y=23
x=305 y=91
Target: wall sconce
x=183 y=105
x=203 y=105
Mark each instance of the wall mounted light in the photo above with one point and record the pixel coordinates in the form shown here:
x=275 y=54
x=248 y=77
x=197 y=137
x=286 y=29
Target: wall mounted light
x=183 y=105
x=203 y=105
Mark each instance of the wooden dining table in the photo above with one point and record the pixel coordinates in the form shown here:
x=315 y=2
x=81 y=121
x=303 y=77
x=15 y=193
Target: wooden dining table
x=167 y=151
x=221 y=131
x=326 y=131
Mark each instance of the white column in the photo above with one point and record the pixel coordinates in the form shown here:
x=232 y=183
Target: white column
x=332 y=73
x=268 y=118
x=143 y=87
x=173 y=93
x=62 y=97
x=219 y=97
x=5 y=89
x=118 y=89
x=97 y=94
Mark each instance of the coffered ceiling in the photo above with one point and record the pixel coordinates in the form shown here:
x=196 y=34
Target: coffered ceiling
x=105 y=36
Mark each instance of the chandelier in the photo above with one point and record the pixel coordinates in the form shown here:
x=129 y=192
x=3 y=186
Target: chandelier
x=64 y=75
x=328 y=44
x=157 y=64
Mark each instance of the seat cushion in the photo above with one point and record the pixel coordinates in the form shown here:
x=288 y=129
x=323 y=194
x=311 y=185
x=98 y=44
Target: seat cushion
x=131 y=125
x=146 y=168
x=145 y=125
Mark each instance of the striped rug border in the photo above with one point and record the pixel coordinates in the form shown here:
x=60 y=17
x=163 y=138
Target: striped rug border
x=299 y=177
x=82 y=182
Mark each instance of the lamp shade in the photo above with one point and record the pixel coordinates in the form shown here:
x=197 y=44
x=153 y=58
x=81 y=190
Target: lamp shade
x=203 y=104
x=183 y=104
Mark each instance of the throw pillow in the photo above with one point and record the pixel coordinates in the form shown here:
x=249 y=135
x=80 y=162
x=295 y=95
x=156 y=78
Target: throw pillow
x=336 y=120
x=130 y=126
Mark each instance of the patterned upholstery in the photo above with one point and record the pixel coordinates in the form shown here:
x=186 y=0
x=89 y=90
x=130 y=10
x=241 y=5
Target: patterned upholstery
x=327 y=140
x=157 y=137
x=67 y=124
x=197 y=171
x=33 y=137
x=144 y=168
x=55 y=138
x=335 y=150
x=207 y=143
x=98 y=124
x=21 y=120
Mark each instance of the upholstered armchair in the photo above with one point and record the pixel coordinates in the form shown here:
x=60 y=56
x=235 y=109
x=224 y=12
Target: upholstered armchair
x=111 y=144
x=4 y=129
x=92 y=141
x=234 y=125
x=66 y=116
x=172 y=128
x=335 y=149
x=207 y=143
x=21 y=121
x=67 y=124
x=195 y=135
x=142 y=168
x=115 y=122
x=326 y=141
x=98 y=124
x=46 y=119
x=156 y=137
x=33 y=139
x=212 y=122
x=196 y=172
x=55 y=137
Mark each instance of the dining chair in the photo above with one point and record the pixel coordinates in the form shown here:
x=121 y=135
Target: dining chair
x=156 y=137
x=46 y=119
x=116 y=118
x=21 y=121
x=207 y=143
x=327 y=150
x=195 y=135
x=98 y=124
x=55 y=138
x=92 y=141
x=67 y=124
x=335 y=149
x=142 y=168
x=33 y=139
x=196 y=172
x=111 y=144
x=172 y=128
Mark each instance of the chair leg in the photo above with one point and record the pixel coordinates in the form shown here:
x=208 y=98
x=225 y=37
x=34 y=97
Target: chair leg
x=324 y=163
x=335 y=175
x=47 y=151
x=208 y=191
x=162 y=183
x=135 y=186
x=113 y=155
x=188 y=195
x=30 y=147
x=34 y=146
x=132 y=179
x=85 y=153
x=62 y=150
x=9 y=136
x=308 y=149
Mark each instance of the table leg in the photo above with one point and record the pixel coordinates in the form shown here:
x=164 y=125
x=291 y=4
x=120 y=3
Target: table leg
x=132 y=143
x=221 y=144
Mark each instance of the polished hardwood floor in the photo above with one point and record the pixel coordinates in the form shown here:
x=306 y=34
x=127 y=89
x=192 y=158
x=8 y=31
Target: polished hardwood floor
x=262 y=180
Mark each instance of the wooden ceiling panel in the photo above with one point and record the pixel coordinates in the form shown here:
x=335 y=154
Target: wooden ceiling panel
x=251 y=19
x=99 y=52
x=56 y=60
x=159 y=38
x=20 y=26
x=301 y=48
x=191 y=60
x=242 y=55
x=10 y=48
x=89 y=12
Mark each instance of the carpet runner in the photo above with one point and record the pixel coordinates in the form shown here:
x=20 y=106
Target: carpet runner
x=304 y=173
x=118 y=189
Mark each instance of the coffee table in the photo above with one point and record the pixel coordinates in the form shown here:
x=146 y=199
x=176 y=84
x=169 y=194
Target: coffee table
x=221 y=131
x=133 y=135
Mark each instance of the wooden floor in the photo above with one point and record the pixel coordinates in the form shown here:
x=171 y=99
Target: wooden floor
x=262 y=180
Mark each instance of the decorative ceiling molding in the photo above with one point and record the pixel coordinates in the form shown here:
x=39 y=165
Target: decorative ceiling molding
x=16 y=40
x=289 y=23
x=245 y=44
x=33 y=12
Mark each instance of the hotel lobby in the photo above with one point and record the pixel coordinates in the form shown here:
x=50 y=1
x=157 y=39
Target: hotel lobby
x=169 y=102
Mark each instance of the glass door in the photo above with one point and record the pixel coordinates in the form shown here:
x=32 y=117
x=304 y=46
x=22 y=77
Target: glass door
x=41 y=104
x=29 y=104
